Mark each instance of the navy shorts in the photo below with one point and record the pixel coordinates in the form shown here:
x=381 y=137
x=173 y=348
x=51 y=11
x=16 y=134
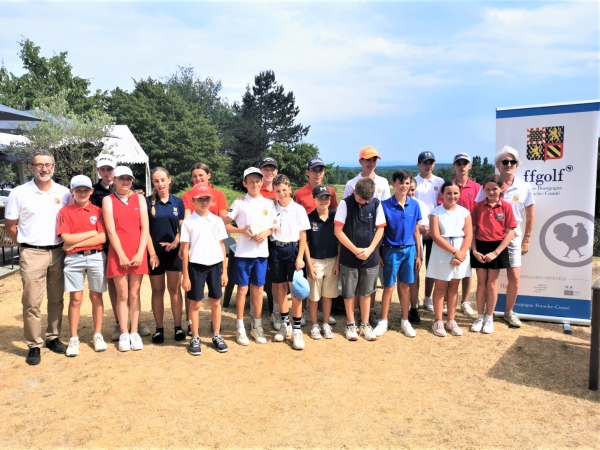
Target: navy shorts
x=201 y=275
x=399 y=265
x=169 y=262
x=249 y=271
x=282 y=263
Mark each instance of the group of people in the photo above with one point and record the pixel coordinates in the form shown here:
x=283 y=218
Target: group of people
x=114 y=236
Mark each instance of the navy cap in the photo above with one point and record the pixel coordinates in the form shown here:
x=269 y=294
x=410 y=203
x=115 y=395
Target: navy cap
x=425 y=156
x=319 y=191
x=268 y=161
x=315 y=161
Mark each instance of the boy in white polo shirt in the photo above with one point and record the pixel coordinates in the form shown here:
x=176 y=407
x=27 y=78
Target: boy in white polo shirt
x=204 y=262
x=254 y=217
x=287 y=256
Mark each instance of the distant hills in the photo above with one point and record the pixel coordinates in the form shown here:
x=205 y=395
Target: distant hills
x=394 y=167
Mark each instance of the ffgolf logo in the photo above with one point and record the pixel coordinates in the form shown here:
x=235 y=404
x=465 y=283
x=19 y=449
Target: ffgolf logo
x=546 y=143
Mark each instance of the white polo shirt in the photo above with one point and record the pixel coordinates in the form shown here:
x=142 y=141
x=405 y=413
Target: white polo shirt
x=382 y=187
x=293 y=219
x=428 y=191
x=519 y=196
x=248 y=212
x=36 y=212
x=204 y=235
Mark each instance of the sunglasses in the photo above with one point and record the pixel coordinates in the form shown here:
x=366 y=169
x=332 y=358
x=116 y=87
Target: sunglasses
x=506 y=162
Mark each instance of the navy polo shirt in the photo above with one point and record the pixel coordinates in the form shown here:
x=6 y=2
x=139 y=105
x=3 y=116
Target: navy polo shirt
x=401 y=221
x=320 y=238
x=360 y=228
x=164 y=224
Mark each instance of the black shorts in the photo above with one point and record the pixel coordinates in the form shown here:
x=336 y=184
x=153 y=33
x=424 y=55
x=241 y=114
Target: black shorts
x=282 y=263
x=485 y=247
x=169 y=262
x=201 y=275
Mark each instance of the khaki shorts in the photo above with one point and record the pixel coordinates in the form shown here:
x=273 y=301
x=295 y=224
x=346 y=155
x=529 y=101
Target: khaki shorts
x=326 y=285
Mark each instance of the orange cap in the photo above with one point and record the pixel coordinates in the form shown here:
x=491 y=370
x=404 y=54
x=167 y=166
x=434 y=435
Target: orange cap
x=368 y=152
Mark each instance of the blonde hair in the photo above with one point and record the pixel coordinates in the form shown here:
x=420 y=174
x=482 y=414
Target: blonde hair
x=154 y=194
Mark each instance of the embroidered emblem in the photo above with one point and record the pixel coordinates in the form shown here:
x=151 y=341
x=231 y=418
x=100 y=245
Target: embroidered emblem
x=93 y=220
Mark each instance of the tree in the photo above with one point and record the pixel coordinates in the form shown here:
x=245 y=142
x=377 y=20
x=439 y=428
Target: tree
x=292 y=162
x=479 y=170
x=173 y=132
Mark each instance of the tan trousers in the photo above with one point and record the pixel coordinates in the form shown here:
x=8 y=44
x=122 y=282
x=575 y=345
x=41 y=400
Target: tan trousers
x=41 y=268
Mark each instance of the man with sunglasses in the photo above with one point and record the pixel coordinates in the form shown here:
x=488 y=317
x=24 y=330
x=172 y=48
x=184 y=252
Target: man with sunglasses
x=31 y=213
x=519 y=195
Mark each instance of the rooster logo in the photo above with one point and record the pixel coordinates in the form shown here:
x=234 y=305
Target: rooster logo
x=564 y=233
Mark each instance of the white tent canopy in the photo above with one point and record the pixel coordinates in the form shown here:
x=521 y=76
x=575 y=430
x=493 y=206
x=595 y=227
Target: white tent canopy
x=124 y=146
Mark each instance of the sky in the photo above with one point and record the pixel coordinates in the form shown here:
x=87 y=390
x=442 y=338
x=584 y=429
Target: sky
x=404 y=77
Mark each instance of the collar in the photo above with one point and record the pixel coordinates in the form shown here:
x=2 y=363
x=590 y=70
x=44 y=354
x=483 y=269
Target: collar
x=395 y=202
x=169 y=200
x=468 y=183
x=38 y=190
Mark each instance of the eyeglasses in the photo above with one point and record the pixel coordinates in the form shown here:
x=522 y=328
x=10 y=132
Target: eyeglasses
x=40 y=166
x=506 y=162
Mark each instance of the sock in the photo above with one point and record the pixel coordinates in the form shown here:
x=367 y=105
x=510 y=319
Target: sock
x=481 y=316
x=285 y=319
x=240 y=324
x=350 y=324
x=276 y=307
x=427 y=298
x=489 y=317
x=257 y=323
x=297 y=321
x=403 y=321
x=385 y=321
x=189 y=322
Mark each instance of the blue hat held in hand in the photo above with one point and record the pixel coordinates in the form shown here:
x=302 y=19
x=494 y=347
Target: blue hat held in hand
x=300 y=287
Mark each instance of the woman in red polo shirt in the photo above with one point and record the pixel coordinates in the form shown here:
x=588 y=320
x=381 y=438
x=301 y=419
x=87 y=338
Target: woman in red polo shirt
x=493 y=228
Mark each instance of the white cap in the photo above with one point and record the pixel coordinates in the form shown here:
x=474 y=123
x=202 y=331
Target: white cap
x=249 y=171
x=104 y=159
x=81 y=180
x=122 y=170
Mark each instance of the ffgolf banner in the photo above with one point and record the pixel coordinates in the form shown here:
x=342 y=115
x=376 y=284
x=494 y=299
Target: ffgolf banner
x=558 y=145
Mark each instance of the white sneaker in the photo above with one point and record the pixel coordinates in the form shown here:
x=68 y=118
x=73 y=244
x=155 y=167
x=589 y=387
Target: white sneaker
x=367 y=332
x=240 y=336
x=327 y=331
x=315 y=332
x=298 y=340
x=407 y=329
x=99 y=344
x=428 y=304
x=276 y=320
x=285 y=332
x=116 y=335
x=488 y=326
x=453 y=328
x=143 y=330
x=73 y=348
x=466 y=309
x=124 y=343
x=305 y=318
x=136 y=341
x=351 y=333
x=373 y=318
x=332 y=320
x=512 y=319
x=259 y=335
x=445 y=310
x=381 y=328
x=477 y=325
x=438 y=328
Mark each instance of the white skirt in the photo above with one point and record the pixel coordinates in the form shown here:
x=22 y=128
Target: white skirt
x=439 y=267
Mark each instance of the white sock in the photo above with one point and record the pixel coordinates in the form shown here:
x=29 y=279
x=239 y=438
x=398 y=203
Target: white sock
x=385 y=321
x=489 y=317
x=240 y=324
x=428 y=298
x=257 y=323
x=276 y=307
x=403 y=321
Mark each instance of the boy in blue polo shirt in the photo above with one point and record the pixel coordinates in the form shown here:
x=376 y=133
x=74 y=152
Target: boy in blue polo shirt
x=399 y=252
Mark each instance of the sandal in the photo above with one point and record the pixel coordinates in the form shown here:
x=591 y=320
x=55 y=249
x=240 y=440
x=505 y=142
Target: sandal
x=159 y=336
x=179 y=334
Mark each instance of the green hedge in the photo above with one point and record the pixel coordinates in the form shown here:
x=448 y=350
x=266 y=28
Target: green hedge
x=230 y=194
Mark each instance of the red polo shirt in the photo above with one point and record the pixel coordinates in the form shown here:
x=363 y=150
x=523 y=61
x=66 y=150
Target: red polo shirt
x=73 y=219
x=468 y=192
x=304 y=197
x=218 y=202
x=266 y=193
x=491 y=221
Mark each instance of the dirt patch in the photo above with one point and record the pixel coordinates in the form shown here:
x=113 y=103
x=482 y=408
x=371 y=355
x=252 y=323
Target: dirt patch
x=522 y=388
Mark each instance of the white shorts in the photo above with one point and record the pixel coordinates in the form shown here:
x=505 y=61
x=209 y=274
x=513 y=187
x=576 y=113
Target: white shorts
x=326 y=285
x=514 y=251
x=76 y=266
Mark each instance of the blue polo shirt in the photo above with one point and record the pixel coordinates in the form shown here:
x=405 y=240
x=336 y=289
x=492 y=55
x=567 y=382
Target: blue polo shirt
x=401 y=221
x=320 y=238
x=164 y=224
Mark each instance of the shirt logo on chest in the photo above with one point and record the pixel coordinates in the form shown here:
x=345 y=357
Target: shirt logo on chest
x=57 y=201
x=174 y=211
x=93 y=220
x=499 y=216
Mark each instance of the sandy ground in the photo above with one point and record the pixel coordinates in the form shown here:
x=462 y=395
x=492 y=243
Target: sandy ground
x=517 y=388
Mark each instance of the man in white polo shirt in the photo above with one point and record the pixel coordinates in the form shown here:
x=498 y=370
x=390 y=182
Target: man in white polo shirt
x=31 y=213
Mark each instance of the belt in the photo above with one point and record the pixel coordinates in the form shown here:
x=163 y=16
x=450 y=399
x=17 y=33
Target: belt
x=398 y=246
x=285 y=244
x=86 y=252
x=41 y=247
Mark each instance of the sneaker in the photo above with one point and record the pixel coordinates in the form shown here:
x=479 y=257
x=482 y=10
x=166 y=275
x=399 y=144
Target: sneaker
x=332 y=320
x=327 y=331
x=276 y=320
x=445 y=310
x=136 y=341
x=73 y=348
x=381 y=328
x=428 y=304
x=143 y=330
x=466 y=309
x=413 y=315
x=194 y=347
x=373 y=318
x=407 y=329
x=240 y=336
x=477 y=325
x=305 y=318
x=366 y=331
x=220 y=344
x=438 y=328
x=124 y=343
x=512 y=319
x=116 y=335
x=315 y=332
x=285 y=332
x=99 y=344
x=298 y=340
x=179 y=334
x=351 y=333
x=453 y=328
x=488 y=326
x=258 y=334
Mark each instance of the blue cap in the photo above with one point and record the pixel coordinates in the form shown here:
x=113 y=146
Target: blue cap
x=300 y=287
